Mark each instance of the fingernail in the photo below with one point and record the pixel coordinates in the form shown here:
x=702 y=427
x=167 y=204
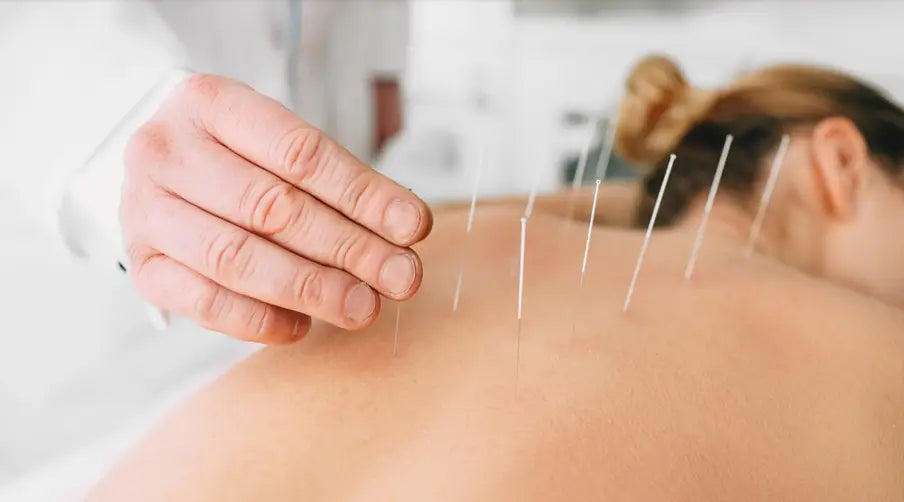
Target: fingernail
x=402 y=220
x=360 y=303
x=397 y=274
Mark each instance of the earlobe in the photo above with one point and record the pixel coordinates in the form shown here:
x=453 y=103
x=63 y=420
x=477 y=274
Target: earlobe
x=840 y=166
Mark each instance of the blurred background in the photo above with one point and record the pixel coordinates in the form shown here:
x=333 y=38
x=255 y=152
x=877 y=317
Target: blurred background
x=419 y=88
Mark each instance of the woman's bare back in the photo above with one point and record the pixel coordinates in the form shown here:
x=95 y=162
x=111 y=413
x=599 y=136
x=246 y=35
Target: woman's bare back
x=750 y=382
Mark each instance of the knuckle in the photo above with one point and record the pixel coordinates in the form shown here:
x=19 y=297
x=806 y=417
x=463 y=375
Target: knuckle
x=271 y=209
x=151 y=142
x=260 y=323
x=302 y=152
x=138 y=256
x=349 y=249
x=210 y=304
x=354 y=195
x=303 y=219
x=228 y=255
x=307 y=288
x=205 y=86
x=202 y=97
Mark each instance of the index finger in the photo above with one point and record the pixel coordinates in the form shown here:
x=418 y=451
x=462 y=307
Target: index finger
x=271 y=136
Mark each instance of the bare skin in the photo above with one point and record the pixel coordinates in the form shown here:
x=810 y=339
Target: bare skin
x=752 y=382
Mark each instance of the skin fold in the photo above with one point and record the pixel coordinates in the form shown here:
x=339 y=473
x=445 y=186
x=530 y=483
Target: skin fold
x=751 y=382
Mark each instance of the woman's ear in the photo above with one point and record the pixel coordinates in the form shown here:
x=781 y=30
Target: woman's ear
x=840 y=165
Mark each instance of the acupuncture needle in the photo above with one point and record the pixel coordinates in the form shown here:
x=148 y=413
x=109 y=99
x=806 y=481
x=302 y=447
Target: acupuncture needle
x=579 y=172
x=474 y=191
x=531 y=198
x=520 y=301
x=704 y=221
x=774 y=171
x=602 y=163
x=646 y=240
x=596 y=193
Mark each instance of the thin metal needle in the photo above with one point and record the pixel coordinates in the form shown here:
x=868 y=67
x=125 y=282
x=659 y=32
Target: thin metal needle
x=474 y=191
x=577 y=295
x=777 y=164
x=713 y=190
x=602 y=164
x=579 y=173
x=395 y=337
x=529 y=209
x=646 y=240
x=520 y=300
x=596 y=193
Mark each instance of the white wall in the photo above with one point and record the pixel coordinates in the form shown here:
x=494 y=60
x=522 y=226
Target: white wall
x=456 y=89
x=528 y=71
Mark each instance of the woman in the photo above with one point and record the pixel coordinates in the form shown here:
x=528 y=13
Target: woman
x=752 y=381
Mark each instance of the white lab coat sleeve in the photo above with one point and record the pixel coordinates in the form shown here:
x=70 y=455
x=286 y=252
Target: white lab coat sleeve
x=389 y=31
x=78 y=79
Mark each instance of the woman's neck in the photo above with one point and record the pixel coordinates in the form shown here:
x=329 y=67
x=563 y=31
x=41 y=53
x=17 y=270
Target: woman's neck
x=727 y=220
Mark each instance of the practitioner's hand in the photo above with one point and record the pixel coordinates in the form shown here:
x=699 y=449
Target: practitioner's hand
x=244 y=218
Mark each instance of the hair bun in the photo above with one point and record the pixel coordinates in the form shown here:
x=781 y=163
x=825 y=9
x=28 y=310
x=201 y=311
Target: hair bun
x=658 y=107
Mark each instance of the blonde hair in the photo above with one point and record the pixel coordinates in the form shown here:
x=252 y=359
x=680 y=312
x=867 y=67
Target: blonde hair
x=661 y=113
x=658 y=107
